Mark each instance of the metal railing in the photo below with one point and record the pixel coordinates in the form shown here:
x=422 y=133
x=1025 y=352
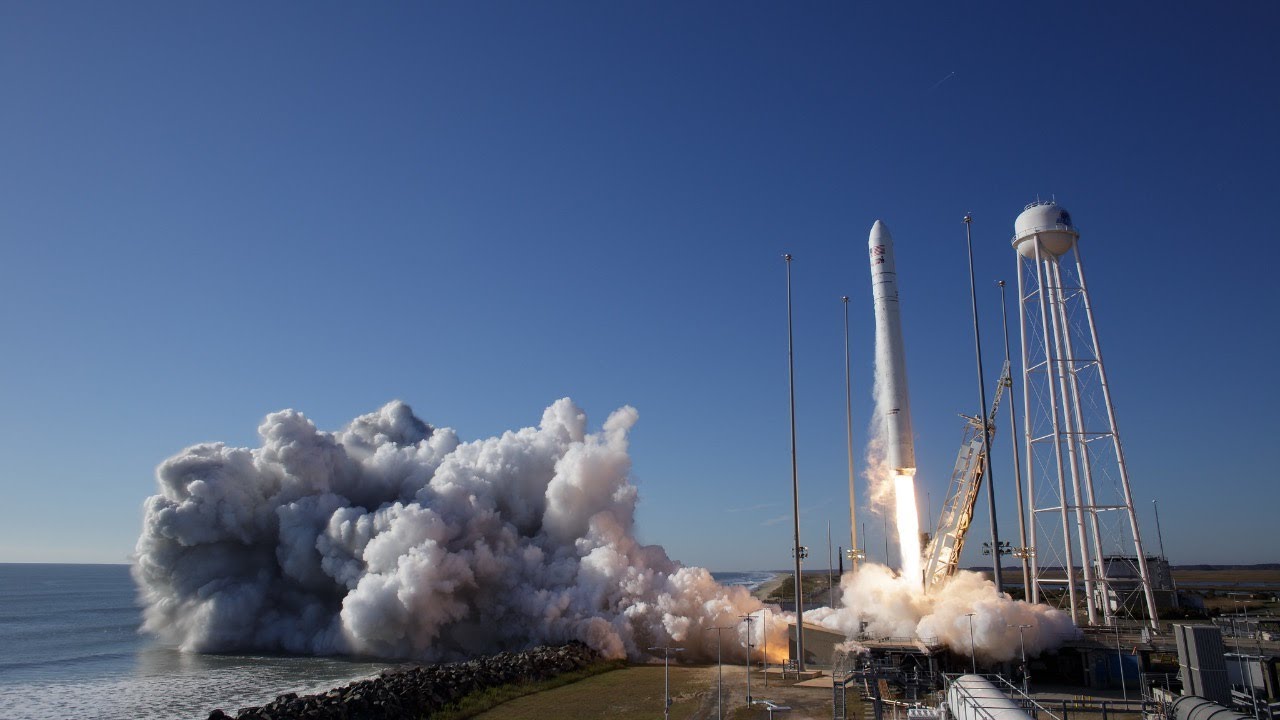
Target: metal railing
x=1028 y=704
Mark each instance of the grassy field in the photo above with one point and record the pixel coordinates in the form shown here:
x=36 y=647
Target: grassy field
x=477 y=703
x=636 y=693
x=1227 y=576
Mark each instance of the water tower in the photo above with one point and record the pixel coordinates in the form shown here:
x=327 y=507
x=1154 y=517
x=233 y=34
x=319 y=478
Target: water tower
x=1084 y=531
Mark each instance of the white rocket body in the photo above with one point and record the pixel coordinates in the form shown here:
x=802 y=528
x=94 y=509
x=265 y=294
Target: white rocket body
x=894 y=404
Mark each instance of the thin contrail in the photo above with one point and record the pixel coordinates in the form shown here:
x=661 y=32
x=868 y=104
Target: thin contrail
x=948 y=77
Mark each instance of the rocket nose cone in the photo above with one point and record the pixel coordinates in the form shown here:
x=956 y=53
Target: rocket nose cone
x=880 y=233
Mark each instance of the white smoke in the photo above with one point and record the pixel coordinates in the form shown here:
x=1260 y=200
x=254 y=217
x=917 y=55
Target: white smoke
x=391 y=538
x=878 y=604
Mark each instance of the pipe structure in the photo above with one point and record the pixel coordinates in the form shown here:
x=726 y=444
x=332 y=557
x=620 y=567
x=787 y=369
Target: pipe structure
x=973 y=697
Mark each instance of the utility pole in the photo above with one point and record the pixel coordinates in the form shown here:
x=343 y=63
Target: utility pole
x=720 y=671
x=749 y=619
x=666 y=677
x=764 y=623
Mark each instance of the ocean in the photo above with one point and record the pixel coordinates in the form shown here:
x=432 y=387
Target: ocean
x=70 y=648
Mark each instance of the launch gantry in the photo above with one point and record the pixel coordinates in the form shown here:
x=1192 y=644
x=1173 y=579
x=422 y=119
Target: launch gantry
x=942 y=556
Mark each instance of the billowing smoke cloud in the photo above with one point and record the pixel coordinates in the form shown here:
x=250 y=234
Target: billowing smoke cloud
x=392 y=538
x=877 y=603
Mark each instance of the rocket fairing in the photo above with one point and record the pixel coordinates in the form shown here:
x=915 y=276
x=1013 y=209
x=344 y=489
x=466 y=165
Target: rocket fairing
x=894 y=404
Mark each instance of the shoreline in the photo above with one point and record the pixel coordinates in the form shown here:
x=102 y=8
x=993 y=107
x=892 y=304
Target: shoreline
x=770 y=586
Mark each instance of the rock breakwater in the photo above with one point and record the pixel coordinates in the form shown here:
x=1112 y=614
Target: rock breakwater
x=422 y=691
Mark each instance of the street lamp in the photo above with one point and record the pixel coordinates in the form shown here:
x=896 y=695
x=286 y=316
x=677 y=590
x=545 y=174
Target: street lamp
x=666 y=678
x=720 y=669
x=973 y=658
x=1026 y=669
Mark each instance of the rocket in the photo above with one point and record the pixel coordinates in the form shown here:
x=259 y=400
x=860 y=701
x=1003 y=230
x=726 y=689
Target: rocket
x=893 y=403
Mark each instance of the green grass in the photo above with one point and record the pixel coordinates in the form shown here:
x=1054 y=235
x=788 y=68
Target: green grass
x=632 y=693
x=815 y=587
x=478 y=702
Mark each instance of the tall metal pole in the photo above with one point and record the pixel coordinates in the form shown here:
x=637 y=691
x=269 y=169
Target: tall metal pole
x=1024 y=550
x=666 y=677
x=795 y=482
x=720 y=669
x=1026 y=669
x=973 y=656
x=749 y=619
x=1159 y=535
x=764 y=623
x=848 y=420
x=1120 y=662
x=986 y=431
x=831 y=583
x=886 y=540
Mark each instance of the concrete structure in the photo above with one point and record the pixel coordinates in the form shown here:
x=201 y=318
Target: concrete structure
x=819 y=643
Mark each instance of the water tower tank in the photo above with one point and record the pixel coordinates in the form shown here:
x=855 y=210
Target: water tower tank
x=1049 y=222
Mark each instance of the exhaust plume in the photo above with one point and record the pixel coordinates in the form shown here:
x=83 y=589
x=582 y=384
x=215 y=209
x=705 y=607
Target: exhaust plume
x=877 y=604
x=392 y=538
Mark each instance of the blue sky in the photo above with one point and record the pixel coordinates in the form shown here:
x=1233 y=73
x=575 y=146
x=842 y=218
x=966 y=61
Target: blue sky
x=211 y=211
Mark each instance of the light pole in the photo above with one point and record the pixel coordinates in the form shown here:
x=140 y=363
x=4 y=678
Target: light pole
x=749 y=619
x=666 y=677
x=720 y=670
x=986 y=431
x=1026 y=669
x=795 y=488
x=973 y=658
x=848 y=420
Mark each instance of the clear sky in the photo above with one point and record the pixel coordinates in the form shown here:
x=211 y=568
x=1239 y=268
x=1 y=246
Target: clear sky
x=211 y=211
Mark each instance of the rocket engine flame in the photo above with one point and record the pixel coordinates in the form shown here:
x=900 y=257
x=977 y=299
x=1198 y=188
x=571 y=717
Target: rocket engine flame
x=876 y=603
x=907 y=520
